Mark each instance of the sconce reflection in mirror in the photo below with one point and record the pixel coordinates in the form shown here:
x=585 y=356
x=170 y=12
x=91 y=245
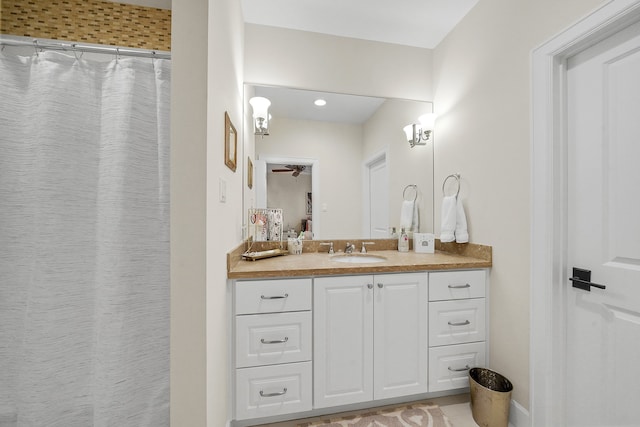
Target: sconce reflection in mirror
x=261 y=117
x=420 y=133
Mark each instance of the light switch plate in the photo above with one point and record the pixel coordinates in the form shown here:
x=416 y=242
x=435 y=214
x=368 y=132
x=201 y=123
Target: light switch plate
x=223 y=191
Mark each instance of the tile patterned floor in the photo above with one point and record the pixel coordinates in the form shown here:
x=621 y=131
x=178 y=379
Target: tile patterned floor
x=459 y=414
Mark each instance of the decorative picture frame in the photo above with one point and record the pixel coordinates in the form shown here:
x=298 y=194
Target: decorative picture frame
x=230 y=143
x=249 y=173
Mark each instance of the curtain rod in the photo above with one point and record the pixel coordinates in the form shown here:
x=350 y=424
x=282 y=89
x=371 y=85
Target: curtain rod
x=40 y=45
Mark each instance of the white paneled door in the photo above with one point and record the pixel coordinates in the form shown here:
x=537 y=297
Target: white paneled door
x=377 y=208
x=603 y=226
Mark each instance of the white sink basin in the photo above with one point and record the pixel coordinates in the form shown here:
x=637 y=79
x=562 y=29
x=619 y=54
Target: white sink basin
x=358 y=258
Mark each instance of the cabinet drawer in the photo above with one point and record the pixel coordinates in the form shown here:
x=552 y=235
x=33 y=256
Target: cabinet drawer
x=266 y=339
x=444 y=285
x=456 y=321
x=270 y=296
x=273 y=390
x=449 y=365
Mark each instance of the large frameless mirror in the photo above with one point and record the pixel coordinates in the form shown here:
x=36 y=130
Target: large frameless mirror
x=339 y=170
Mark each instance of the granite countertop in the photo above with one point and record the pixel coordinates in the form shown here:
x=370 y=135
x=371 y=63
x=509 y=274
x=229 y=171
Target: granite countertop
x=448 y=256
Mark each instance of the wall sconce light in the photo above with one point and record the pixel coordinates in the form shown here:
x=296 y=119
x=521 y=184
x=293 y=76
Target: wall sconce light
x=261 y=117
x=419 y=134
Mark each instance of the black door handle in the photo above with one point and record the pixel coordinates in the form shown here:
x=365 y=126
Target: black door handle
x=582 y=280
x=582 y=284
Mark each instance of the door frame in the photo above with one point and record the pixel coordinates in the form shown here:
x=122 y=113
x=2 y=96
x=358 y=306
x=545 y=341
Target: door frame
x=261 y=184
x=549 y=206
x=366 y=182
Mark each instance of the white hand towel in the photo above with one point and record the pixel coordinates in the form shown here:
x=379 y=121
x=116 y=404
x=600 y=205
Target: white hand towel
x=406 y=214
x=462 y=235
x=415 y=225
x=448 y=219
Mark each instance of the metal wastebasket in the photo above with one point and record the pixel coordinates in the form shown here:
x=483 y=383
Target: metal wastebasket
x=490 y=397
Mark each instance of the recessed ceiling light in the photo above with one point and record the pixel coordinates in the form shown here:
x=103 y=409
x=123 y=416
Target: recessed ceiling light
x=320 y=102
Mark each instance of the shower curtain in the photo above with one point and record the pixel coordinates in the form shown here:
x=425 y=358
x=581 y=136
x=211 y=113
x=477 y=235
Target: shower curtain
x=84 y=240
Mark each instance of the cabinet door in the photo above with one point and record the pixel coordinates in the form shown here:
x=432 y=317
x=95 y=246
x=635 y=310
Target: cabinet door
x=400 y=341
x=343 y=340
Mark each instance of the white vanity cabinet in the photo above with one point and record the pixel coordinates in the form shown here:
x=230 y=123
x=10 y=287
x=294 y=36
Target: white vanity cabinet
x=273 y=347
x=457 y=327
x=302 y=345
x=370 y=337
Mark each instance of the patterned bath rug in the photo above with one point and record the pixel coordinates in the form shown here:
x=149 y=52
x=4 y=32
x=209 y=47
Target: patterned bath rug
x=420 y=414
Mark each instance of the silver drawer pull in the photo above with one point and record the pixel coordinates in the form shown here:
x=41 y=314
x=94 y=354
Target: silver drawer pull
x=278 y=393
x=466 y=285
x=263 y=341
x=275 y=297
x=466 y=368
x=465 y=323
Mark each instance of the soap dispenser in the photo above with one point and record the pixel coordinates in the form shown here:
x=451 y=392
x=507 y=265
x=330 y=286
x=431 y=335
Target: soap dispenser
x=403 y=241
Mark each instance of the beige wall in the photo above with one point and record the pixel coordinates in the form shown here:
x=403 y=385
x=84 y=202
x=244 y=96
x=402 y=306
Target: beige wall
x=482 y=94
x=188 y=214
x=289 y=193
x=304 y=60
x=206 y=81
x=406 y=165
x=338 y=148
x=224 y=220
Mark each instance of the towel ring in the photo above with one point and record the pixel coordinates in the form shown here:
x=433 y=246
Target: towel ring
x=415 y=189
x=456 y=176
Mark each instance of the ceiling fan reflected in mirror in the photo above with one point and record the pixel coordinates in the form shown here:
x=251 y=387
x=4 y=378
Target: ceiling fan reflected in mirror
x=296 y=169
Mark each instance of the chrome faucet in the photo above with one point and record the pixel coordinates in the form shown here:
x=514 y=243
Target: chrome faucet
x=364 y=249
x=330 y=244
x=350 y=248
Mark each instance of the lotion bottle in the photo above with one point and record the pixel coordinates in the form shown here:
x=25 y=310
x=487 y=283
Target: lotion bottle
x=403 y=241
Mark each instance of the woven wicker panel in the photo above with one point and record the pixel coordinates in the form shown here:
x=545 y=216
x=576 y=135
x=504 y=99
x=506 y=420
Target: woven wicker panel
x=90 y=21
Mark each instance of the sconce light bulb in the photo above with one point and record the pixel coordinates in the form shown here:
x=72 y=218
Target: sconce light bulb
x=428 y=121
x=261 y=115
x=260 y=106
x=408 y=130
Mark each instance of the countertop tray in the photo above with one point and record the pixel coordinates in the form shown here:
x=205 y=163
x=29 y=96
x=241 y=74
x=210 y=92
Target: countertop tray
x=253 y=256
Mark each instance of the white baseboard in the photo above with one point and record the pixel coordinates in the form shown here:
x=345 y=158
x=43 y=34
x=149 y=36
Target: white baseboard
x=518 y=416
